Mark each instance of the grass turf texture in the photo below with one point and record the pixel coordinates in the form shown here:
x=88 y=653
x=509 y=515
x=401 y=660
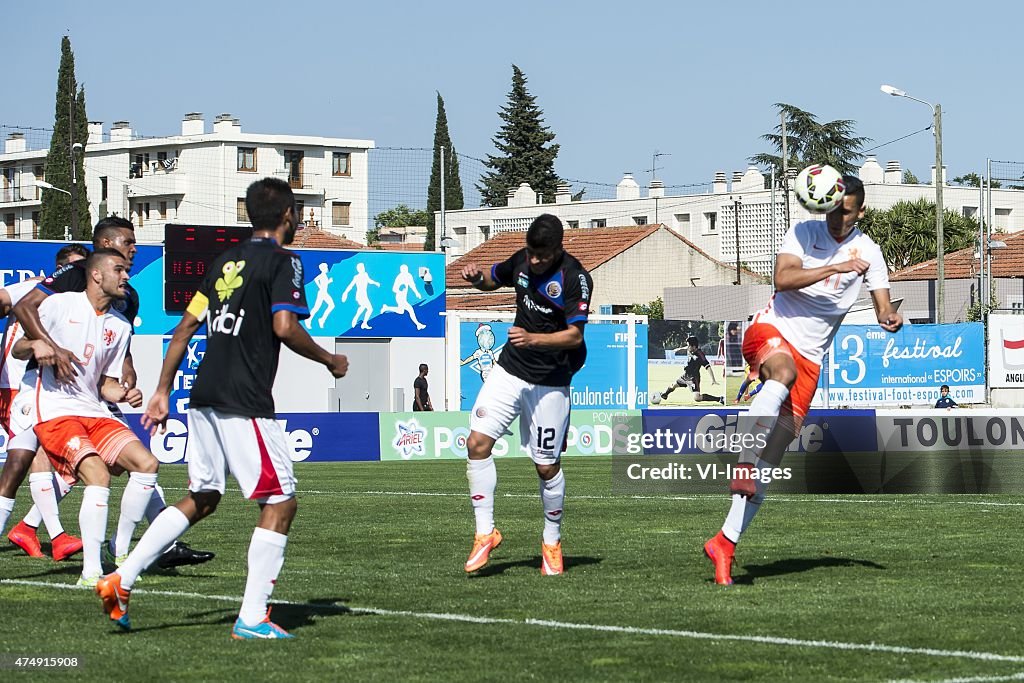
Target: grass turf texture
x=920 y=572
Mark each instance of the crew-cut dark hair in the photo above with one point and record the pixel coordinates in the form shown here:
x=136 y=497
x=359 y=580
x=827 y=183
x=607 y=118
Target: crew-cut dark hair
x=545 y=232
x=266 y=201
x=854 y=188
x=107 y=229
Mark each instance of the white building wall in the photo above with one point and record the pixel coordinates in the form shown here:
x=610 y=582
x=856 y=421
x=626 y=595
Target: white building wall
x=471 y=226
x=661 y=260
x=205 y=183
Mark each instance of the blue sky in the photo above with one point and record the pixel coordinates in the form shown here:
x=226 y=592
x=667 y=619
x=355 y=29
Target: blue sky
x=616 y=80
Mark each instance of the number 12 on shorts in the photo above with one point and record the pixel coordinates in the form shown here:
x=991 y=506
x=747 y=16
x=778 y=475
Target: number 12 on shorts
x=545 y=438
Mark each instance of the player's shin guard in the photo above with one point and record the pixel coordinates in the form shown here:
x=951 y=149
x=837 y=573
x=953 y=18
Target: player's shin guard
x=266 y=557
x=552 y=495
x=92 y=520
x=164 y=531
x=45 y=497
x=483 y=481
x=134 y=501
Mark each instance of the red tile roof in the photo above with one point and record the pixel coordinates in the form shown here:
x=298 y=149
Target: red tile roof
x=315 y=238
x=962 y=264
x=592 y=246
x=472 y=300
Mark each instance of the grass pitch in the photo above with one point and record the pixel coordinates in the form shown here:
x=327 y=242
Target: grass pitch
x=841 y=588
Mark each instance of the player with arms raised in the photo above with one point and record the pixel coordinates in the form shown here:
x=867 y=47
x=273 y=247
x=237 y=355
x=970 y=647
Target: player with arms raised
x=818 y=275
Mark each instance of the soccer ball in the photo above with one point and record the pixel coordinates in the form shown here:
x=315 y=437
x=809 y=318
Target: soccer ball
x=819 y=188
x=655 y=398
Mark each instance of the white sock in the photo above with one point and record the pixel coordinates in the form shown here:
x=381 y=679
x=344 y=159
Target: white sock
x=60 y=487
x=134 y=501
x=552 y=495
x=92 y=521
x=743 y=509
x=164 y=531
x=44 y=495
x=770 y=399
x=760 y=418
x=483 y=480
x=6 y=508
x=156 y=504
x=266 y=557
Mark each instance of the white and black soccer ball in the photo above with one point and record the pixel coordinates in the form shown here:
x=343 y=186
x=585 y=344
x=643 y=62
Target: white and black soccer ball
x=819 y=188
x=655 y=398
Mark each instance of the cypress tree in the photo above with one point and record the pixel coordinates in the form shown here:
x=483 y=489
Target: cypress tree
x=453 y=198
x=526 y=147
x=56 y=206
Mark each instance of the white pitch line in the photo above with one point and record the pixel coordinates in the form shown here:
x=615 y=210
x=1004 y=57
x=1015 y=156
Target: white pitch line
x=565 y=625
x=904 y=499
x=970 y=679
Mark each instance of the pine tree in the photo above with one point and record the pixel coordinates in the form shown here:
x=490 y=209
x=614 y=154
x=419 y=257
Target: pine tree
x=528 y=153
x=56 y=206
x=453 y=198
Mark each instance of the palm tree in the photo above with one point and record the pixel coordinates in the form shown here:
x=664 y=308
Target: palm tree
x=906 y=232
x=809 y=141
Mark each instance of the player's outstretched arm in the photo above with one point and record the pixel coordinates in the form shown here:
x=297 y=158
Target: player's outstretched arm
x=295 y=337
x=791 y=274
x=888 y=317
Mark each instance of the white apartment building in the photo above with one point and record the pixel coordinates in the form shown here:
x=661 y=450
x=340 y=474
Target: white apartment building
x=709 y=219
x=196 y=177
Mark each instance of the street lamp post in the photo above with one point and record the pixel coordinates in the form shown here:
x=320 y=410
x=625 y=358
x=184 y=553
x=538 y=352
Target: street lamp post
x=939 y=181
x=43 y=185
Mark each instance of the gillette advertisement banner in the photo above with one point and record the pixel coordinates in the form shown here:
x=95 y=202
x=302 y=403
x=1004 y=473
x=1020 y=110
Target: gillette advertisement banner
x=316 y=437
x=601 y=384
x=350 y=293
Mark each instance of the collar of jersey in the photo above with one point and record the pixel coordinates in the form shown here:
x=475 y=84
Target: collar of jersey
x=271 y=240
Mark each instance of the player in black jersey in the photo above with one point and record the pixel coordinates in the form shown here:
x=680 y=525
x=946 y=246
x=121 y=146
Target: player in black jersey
x=691 y=374
x=112 y=232
x=251 y=299
x=531 y=381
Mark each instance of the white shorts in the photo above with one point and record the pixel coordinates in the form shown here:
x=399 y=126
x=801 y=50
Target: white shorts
x=23 y=419
x=253 y=449
x=543 y=414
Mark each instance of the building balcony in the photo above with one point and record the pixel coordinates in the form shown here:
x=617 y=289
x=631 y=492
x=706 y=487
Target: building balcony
x=14 y=195
x=301 y=183
x=158 y=184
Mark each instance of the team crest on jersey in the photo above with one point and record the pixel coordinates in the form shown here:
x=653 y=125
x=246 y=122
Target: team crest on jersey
x=108 y=337
x=481 y=412
x=230 y=280
x=523 y=280
x=553 y=289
